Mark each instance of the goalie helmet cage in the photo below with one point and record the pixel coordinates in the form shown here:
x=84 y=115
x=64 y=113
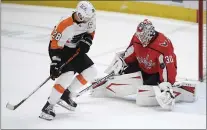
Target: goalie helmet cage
x=201 y=40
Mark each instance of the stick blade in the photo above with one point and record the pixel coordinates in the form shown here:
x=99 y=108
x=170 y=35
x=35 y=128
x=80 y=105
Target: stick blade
x=9 y=106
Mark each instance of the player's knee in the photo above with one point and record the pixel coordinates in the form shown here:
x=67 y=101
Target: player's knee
x=65 y=79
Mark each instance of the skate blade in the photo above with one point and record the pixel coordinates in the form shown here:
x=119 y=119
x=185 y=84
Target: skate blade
x=46 y=116
x=70 y=108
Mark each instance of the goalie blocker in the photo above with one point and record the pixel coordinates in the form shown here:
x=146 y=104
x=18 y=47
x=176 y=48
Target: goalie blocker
x=129 y=84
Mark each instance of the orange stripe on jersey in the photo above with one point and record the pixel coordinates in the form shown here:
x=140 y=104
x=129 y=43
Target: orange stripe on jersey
x=57 y=32
x=92 y=34
x=59 y=88
x=81 y=79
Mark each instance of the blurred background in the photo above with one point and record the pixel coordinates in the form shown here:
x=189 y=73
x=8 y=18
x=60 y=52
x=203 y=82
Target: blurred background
x=189 y=11
x=175 y=9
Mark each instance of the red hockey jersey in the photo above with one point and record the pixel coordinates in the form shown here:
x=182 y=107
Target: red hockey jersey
x=157 y=57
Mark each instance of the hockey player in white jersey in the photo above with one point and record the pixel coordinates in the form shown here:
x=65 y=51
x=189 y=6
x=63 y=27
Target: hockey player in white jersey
x=70 y=34
x=147 y=68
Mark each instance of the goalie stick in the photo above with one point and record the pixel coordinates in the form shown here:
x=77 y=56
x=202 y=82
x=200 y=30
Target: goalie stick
x=104 y=79
x=93 y=85
x=13 y=107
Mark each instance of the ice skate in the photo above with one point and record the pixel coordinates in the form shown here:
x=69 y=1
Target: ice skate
x=48 y=112
x=66 y=101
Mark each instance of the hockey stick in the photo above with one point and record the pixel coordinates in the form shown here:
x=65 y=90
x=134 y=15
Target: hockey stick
x=13 y=107
x=100 y=81
x=93 y=86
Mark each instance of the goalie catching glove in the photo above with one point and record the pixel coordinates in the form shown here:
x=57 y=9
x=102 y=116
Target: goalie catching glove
x=117 y=65
x=164 y=95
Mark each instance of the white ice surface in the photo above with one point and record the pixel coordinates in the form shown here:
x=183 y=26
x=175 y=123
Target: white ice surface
x=25 y=64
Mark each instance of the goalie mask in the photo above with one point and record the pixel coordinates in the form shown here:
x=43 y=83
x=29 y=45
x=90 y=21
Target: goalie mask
x=145 y=32
x=85 y=11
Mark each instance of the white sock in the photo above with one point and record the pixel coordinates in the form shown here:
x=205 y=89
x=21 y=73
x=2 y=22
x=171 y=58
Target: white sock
x=62 y=82
x=82 y=79
x=77 y=83
x=56 y=93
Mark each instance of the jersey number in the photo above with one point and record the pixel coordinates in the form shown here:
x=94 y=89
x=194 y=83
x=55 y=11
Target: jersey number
x=169 y=59
x=56 y=35
x=90 y=25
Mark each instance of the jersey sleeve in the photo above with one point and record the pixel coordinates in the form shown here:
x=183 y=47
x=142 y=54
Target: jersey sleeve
x=91 y=26
x=129 y=54
x=167 y=65
x=93 y=34
x=58 y=35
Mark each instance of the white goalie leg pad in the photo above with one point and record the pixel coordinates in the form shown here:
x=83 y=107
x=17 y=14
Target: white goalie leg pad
x=185 y=91
x=82 y=79
x=146 y=96
x=100 y=90
x=60 y=85
x=119 y=86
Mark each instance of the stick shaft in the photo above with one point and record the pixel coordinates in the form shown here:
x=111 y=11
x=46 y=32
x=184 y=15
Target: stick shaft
x=95 y=84
x=22 y=101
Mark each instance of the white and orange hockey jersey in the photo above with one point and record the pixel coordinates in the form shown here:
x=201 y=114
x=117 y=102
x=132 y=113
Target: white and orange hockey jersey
x=65 y=30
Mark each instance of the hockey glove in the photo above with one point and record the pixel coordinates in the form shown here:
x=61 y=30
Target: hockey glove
x=117 y=65
x=164 y=95
x=77 y=38
x=54 y=67
x=85 y=43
